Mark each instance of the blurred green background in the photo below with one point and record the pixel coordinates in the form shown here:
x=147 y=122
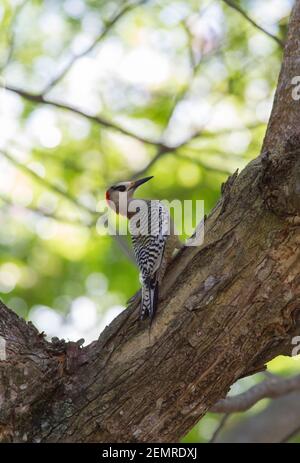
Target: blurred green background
x=194 y=76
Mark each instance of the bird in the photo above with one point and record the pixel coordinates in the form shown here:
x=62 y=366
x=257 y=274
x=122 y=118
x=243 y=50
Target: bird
x=153 y=236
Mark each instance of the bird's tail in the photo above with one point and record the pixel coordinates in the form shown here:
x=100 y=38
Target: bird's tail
x=149 y=298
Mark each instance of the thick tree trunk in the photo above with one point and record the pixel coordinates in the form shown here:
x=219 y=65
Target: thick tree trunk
x=230 y=306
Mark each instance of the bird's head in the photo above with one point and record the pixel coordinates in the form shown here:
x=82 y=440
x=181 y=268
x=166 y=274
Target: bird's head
x=122 y=193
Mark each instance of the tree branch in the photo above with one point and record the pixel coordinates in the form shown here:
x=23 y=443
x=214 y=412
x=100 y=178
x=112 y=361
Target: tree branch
x=41 y=212
x=161 y=147
x=40 y=99
x=67 y=196
x=275 y=423
x=291 y=435
x=219 y=428
x=11 y=34
x=236 y=7
x=45 y=183
x=205 y=166
x=120 y=14
x=270 y=389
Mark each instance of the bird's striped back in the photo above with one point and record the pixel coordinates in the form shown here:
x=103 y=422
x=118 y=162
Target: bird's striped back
x=149 y=229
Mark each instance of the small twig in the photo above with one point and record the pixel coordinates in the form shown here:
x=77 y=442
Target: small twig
x=165 y=149
x=291 y=435
x=194 y=68
x=11 y=34
x=236 y=7
x=160 y=152
x=219 y=428
x=56 y=189
x=42 y=213
x=203 y=164
x=193 y=62
x=65 y=195
x=91 y=47
x=211 y=134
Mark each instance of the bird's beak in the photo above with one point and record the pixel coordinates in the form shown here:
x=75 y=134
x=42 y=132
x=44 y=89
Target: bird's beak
x=139 y=182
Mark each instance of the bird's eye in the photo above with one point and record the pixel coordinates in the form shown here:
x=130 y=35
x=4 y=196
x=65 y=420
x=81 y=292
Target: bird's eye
x=121 y=188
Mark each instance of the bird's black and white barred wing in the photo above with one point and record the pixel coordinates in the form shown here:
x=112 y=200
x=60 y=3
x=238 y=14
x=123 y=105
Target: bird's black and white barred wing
x=149 y=236
x=149 y=240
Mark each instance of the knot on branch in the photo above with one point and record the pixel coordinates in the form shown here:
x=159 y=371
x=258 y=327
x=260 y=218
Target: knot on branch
x=73 y=354
x=280 y=180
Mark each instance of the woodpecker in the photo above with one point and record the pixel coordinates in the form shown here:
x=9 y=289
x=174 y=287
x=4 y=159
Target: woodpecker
x=153 y=238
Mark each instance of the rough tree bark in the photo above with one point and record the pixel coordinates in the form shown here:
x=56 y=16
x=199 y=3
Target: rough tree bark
x=230 y=306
